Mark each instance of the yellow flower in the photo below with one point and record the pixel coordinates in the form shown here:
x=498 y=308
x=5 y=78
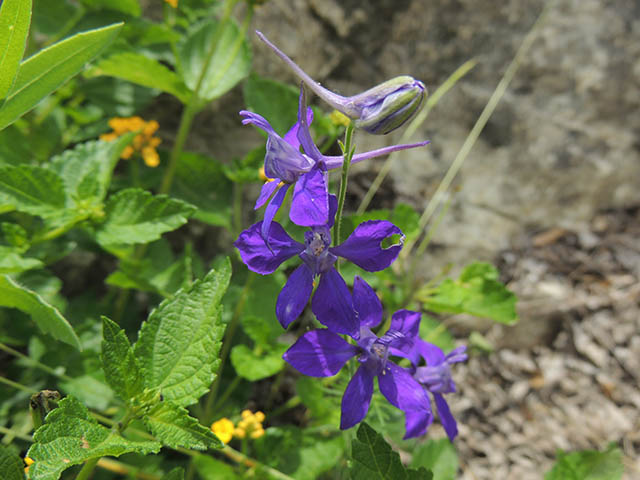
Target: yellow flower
x=144 y=143
x=173 y=3
x=250 y=424
x=339 y=118
x=28 y=461
x=223 y=429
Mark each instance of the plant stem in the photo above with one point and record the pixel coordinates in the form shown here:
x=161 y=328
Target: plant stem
x=87 y=469
x=17 y=386
x=21 y=436
x=33 y=362
x=124 y=469
x=347 y=152
x=228 y=391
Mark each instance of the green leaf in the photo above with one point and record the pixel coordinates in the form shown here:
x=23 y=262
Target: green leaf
x=90 y=389
x=11 y=465
x=255 y=366
x=32 y=189
x=477 y=292
x=588 y=465
x=142 y=70
x=275 y=101
x=87 y=168
x=15 y=17
x=231 y=60
x=48 y=318
x=172 y=425
x=179 y=343
x=70 y=436
x=325 y=410
x=175 y=474
x=129 y=7
x=433 y=331
x=439 y=456
x=12 y=262
x=136 y=216
x=45 y=71
x=373 y=458
x=120 y=366
x=211 y=469
x=196 y=176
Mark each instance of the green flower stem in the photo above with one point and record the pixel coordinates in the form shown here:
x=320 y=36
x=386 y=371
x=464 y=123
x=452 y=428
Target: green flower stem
x=228 y=391
x=33 y=362
x=347 y=151
x=61 y=230
x=87 y=469
x=18 y=386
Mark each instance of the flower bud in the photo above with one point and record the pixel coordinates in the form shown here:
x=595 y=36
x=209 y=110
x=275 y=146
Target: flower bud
x=379 y=110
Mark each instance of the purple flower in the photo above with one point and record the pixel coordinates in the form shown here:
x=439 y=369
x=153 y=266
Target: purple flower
x=322 y=353
x=332 y=303
x=286 y=165
x=379 y=110
x=436 y=378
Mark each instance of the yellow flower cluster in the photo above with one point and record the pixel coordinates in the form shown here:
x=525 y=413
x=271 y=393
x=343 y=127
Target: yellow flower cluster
x=223 y=429
x=144 y=142
x=28 y=462
x=173 y=3
x=251 y=424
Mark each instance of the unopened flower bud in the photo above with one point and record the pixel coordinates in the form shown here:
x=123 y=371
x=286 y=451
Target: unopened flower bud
x=378 y=110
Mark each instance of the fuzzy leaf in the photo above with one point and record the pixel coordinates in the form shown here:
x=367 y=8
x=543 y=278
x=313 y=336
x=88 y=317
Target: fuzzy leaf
x=44 y=72
x=33 y=190
x=11 y=465
x=588 y=465
x=136 y=216
x=48 y=318
x=70 y=436
x=373 y=459
x=172 y=425
x=120 y=366
x=179 y=343
x=142 y=70
x=15 y=17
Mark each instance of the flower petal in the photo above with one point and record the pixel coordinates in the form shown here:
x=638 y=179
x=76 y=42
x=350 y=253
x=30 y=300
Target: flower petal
x=431 y=353
x=407 y=322
x=335 y=161
x=310 y=202
x=294 y=295
x=283 y=161
x=291 y=137
x=367 y=304
x=404 y=392
x=319 y=353
x=257 y=256
x=304 y=135
x=267 y=189
x=333 y=306
x=446 y=418
x=271 y=210
x=356 y=399
x=363 y=247
x=257 y=120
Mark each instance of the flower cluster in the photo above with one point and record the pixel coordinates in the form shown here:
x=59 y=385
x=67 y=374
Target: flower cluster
x=144 y=142
x=250 y=425
x=173 y=3
x=352 y=317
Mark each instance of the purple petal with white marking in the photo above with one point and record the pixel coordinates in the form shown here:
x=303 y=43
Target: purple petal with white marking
x=319 y=353
x=333 y=306
x=366 y=303
x=294 y=295
x=357 y=397
x=310 y=202
x=257 y=256
x=407 y=322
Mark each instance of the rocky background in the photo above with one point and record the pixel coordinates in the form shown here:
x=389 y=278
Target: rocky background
x=550 y=193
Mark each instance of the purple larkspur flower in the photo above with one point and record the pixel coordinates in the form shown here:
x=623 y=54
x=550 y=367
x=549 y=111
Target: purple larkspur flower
x=322 y=353
x=332 y=303
x=379 y=110
x=286 y=165
x=436 y=378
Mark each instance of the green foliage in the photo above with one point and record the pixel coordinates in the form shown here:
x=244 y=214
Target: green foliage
x=175 y=474
x=12 y=262
x=136 y=216
x=48 y=318
x=119 y=364
x=128 y=7
x=45 y=71
x=179 y=343
x=211 y=469
x=33 y=190
x=324 y=409
x=588 y=465
x=373 y=458
x=229 y=64
x=432 y=331
x=11 y=465
x=142 y=70
x=258 y=363
x=275 y=101
x=477 y=292
x=70 y=436
x=15 y=17
x=439 y=456
x=172 y=425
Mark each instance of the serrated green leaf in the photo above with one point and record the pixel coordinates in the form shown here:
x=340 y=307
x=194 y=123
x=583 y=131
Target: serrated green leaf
x=120 y=366
x=142 y=70
x=439 y=456
x=12 y=262
x=87 y=168
x=136 y=216
x=588 y=465
x=33 y=190
x=175 y=474
x=48 y=318
x=230 y=63
x=477 y=292
x=275 y=101
x=373 y=458
x=172 y=425
x=210 y=468
x=15 y=17
x=70 y=436
x=255 y=366
x=45 y=71
x=11 y=465
x=179 y=343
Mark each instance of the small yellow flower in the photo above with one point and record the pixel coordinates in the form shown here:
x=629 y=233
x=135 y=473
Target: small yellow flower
x=251 y=424
x=173 y=3
x=223 y=429
x=257 y=433
x=144 y=143
x=339 y=118
x=239 y=433
x=28 y=462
